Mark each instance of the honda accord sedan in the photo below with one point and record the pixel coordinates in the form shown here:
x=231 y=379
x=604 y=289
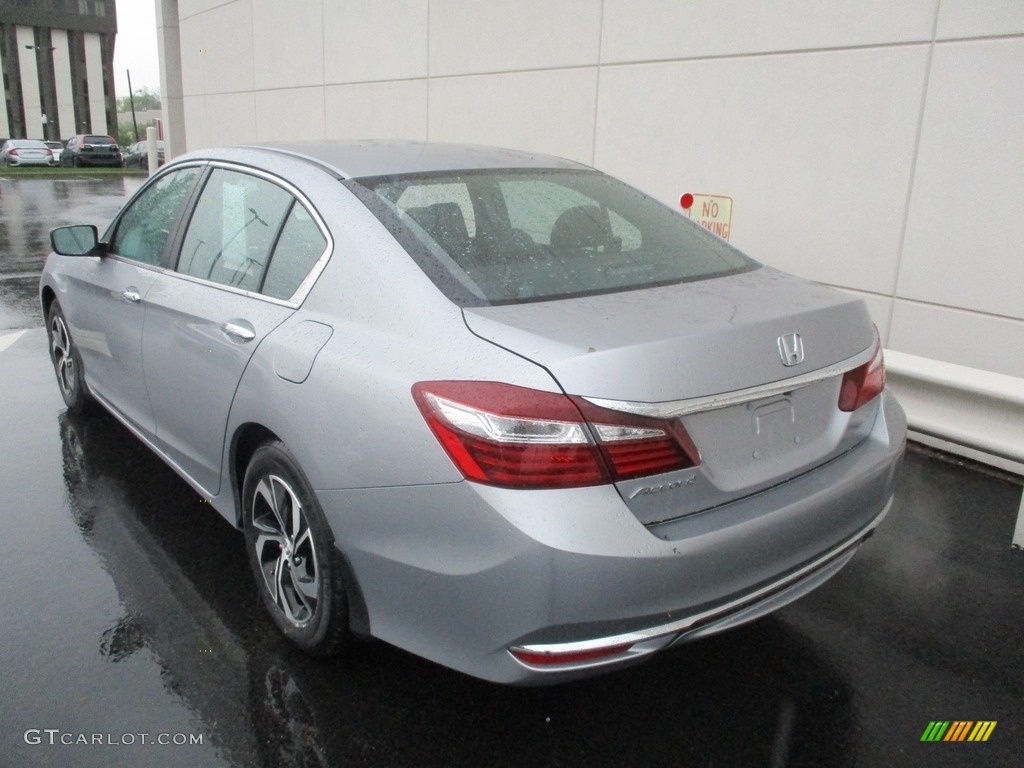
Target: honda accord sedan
x=495 y=408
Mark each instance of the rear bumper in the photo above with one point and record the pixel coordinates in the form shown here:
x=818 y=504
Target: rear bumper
x=760 y=601
x=86 y=160
x=17 y=161
x=460 y=573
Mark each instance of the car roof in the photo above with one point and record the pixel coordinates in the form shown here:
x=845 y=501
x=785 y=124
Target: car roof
x=374 y=157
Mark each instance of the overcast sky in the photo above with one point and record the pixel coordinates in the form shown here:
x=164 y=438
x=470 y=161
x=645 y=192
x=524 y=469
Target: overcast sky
x=135 y=47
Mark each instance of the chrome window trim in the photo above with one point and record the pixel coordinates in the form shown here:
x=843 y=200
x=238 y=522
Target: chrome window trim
x=296 y=299
x=300 y=294
x=201 y=281
x=673 y=409
x=231 y=289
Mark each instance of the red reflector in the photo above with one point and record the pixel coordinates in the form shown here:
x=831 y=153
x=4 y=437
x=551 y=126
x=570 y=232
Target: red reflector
x=541 y=659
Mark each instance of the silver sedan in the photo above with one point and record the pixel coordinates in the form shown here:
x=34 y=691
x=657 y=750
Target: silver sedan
x=17 y=152
x=496 y=408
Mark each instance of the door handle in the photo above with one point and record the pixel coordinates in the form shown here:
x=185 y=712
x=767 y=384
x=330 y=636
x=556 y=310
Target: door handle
x=131 y=295
x=238 y=331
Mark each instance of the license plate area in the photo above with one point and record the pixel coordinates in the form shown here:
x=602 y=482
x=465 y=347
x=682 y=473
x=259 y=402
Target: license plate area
x=752 y=443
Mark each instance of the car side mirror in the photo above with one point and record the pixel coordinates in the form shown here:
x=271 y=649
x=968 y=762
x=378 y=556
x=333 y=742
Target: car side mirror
x=77 y=240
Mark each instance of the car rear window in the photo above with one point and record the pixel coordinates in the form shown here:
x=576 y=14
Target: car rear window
x=98 y=140
x=516 y=236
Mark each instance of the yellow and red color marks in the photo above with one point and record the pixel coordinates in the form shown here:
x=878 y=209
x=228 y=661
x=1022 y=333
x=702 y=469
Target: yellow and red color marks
x=958 y=730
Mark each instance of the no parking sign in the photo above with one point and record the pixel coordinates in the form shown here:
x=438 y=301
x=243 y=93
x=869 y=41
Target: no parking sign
x=713 y=212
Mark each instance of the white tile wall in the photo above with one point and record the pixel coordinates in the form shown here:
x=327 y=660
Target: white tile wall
x=817 y=118
x=467 y=36
x=221 y=119
x=815 y=150
x=290 y=113
x=368 y=40
x=642 y=30
x=287 y=55
x=971 y=18
x=550 y=111
x=217 y=50
x=965 y=227
x=390 y=110
x=955 y=336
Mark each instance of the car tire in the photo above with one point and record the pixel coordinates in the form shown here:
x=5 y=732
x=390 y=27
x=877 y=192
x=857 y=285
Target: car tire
x=298 y=570
x=76 y=161
x=67 y=363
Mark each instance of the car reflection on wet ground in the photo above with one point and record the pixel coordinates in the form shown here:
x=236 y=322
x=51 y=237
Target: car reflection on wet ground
x=130 y=613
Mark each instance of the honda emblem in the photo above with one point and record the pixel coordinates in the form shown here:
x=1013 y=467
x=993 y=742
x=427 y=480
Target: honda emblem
x=791 y=349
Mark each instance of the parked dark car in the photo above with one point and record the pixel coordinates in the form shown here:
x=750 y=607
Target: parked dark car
x=89 y=149
x=138 y=155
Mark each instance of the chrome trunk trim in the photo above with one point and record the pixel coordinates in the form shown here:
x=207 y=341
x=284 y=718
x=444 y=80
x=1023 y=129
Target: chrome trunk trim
x=673 y=409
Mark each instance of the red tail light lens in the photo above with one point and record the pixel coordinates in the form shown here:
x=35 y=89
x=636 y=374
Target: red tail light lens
x=865 y=382
x=515 y=437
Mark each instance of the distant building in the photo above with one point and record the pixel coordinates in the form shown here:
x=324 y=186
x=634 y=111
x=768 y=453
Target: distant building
x=57 y=58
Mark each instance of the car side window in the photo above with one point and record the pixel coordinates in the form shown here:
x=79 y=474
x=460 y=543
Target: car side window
x=144 y=230
x=233 y=229
x=300 y=246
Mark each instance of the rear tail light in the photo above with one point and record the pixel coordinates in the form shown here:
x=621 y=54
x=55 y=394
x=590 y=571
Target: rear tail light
x=865 y=382
x=12 y=151
x=509 y=436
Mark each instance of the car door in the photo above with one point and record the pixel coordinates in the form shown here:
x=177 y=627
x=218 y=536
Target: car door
x=108 y=310
x=205 y=319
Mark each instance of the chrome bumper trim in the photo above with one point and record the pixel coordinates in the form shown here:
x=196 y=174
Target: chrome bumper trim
x=644 y=641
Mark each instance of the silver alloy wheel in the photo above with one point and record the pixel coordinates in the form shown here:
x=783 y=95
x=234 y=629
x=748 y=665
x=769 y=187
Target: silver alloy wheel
x=63 y=359
x=285 y=550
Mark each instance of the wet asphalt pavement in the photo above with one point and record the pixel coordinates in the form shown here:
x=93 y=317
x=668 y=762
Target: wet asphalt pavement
x=128 y=616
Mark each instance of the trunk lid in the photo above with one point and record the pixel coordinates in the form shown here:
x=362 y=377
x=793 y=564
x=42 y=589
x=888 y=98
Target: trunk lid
x=701 y=339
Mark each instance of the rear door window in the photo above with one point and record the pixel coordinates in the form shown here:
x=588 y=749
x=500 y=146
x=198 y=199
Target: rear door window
x=233 y=229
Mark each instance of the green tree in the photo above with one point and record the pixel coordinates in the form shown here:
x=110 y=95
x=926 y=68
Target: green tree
x=145 y=99
x=125 y=134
